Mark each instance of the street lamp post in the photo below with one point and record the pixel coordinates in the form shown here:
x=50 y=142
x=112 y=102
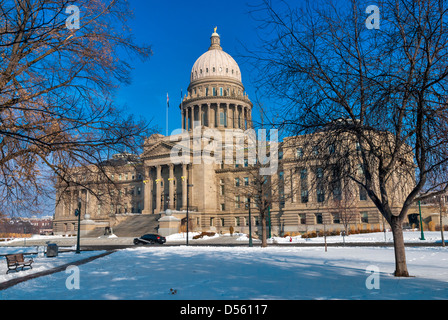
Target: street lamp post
x=250 y=226
x=188 y=200
x=441 y=219
x=78 y=214
x=421 y=222
x=269 y=219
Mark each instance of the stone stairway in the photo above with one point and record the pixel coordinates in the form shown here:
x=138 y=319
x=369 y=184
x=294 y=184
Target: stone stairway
x=133 y=226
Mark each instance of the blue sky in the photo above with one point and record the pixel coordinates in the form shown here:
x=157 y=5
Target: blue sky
x=179 y=33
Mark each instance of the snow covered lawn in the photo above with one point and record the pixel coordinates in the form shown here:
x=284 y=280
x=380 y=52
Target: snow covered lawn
x=241 y=273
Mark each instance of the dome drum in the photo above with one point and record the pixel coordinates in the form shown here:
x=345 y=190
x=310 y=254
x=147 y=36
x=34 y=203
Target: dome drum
x=216 y=96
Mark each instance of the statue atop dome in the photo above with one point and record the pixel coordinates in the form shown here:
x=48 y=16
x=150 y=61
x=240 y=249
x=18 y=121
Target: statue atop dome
x=216 y=41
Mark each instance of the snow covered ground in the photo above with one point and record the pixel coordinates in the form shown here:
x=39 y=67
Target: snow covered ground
x=242 y=273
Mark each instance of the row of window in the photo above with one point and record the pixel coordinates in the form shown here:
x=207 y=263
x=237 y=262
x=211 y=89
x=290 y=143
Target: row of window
x=214 y=70
x=237 y=221
x=316 y=150
x=335 y=218
x=127 y=176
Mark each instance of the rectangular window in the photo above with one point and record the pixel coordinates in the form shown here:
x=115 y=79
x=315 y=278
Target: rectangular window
x=304 y=185
x=237 y=182
x=320 y=195
x=223 y=207
x=222 y=118
x=237 y=221
x=364 y=217
x=336 y=217
x=299 y=153
x=237 y=202
x=302 y=218
x=220 y=92
x=337 y=194
x=212 y=222
x=246 y=181
x=221 y=190
x=362 y=193
x=304 y=196
x=222 y=222
x=320 y=191
x=319 y=218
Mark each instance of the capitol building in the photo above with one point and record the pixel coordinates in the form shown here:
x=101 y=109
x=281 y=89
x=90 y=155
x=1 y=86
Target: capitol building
x=151 y=193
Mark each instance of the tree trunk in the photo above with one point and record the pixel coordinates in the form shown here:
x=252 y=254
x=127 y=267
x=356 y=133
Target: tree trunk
x=264 y=242
x=401 y=269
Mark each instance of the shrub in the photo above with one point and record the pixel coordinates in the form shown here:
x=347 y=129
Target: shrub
x=432 y=226
x=308 y=235
x=204 y=234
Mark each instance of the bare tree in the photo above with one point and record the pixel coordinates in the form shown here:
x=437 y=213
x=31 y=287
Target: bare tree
x=56 y=92
x=379 y=93
x=345 y=203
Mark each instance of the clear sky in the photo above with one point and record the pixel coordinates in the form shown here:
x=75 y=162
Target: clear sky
x=179 y=33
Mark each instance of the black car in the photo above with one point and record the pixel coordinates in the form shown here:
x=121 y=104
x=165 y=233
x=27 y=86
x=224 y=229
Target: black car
x=150 y=239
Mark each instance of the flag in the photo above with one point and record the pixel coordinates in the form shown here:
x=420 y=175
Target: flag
x=167 y=100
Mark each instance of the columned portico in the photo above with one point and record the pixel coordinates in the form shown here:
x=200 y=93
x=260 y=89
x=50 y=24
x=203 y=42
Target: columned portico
x=155 y=188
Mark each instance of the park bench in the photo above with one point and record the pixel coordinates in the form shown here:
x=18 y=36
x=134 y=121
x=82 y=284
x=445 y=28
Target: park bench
x=16 y=261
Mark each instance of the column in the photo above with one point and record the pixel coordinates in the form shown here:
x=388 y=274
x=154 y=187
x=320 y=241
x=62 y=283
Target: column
x=200 y=115
x=183 y=119
x=187 y=116
x=208 y=116
x=158 y=189
x=148 y=184
x=227 y=116
x=238 y=117
x=218 y=111
x=184 y=184
x=249 y=117
x=171 y=185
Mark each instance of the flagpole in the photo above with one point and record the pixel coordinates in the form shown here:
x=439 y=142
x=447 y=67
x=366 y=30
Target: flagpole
x=167 y=107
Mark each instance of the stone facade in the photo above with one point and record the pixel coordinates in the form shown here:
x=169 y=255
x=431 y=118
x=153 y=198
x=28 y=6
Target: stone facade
x=153 y=184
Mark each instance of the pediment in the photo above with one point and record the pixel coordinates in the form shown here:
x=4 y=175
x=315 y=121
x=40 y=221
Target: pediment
x=160 y=149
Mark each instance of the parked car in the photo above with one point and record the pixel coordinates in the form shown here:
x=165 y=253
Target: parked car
x=150 y=239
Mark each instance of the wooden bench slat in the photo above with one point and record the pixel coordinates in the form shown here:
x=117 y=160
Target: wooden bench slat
x=15 y=261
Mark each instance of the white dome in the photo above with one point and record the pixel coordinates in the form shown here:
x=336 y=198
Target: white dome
x=215 y=63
